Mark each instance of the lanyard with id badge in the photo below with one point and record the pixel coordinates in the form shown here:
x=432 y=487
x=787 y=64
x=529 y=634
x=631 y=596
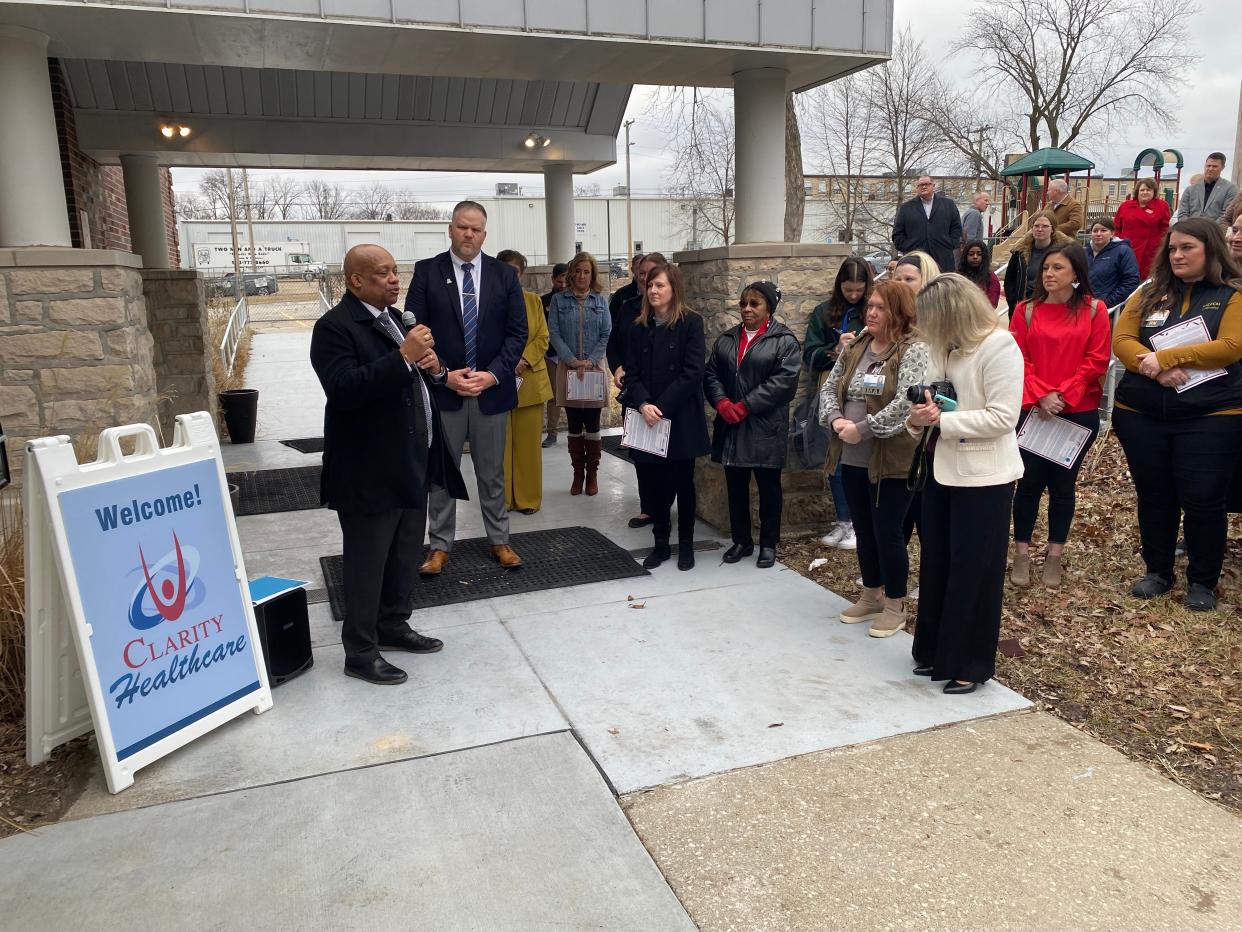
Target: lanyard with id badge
x=873 y=379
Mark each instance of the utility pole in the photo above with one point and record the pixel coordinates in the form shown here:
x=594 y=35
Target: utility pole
x=237 y=283
x=629 y=214
x=249 y=220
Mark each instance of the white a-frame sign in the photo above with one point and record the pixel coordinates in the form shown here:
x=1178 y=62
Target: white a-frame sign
x=138 y=619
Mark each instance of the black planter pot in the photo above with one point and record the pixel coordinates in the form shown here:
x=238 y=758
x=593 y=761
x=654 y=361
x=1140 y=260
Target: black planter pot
x=241 y=413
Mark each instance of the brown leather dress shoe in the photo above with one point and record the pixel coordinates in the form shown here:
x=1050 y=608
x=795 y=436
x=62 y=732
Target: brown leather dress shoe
x=435 y=562
x=506 y=556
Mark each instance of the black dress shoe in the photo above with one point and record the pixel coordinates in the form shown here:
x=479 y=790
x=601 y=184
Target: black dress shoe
x=923 y=670
x=413 y=642
x=641 y=520
x=737 y=552
x=1150 y=586
x=378 y=671
x=954 y=688
x=767 y=558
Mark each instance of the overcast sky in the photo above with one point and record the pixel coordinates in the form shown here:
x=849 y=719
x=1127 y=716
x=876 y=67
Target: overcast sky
x=1207 y=104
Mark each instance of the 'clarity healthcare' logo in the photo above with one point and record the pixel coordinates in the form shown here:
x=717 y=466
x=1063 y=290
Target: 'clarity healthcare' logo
x=169 y=586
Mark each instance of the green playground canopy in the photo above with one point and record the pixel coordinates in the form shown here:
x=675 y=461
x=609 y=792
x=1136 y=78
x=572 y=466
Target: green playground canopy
x=1052 y=161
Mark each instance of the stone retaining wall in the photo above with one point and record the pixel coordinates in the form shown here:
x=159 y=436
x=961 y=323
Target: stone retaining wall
x=75 y=351
x=177 y=318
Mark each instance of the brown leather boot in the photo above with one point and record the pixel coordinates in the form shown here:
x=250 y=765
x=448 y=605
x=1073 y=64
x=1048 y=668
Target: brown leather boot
x=577 y=456
x=594 y=449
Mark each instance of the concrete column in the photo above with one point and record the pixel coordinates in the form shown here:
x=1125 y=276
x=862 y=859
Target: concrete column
x=759 y=147
x=33 y=211
x=144 y=198
x=558 y=205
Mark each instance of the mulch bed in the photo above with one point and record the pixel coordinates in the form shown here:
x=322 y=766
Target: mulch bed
x=31 y=797
x=1157 y=682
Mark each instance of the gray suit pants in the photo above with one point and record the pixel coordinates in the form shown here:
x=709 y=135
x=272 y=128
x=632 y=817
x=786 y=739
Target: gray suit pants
x=486 y=433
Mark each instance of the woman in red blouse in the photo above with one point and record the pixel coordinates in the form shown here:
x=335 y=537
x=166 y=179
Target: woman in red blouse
x=1065 y=339
x=1143 y=220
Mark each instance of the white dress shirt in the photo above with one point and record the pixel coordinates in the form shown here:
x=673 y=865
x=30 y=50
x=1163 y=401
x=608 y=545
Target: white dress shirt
x=375 y=312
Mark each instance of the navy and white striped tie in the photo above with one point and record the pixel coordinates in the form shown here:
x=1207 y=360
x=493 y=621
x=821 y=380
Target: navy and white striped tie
x=469 y=312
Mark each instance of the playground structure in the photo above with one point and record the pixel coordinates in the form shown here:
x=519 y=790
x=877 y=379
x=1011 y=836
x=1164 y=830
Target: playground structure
x=1042 y=163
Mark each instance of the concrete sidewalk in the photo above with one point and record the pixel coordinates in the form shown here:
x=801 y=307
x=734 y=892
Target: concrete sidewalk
x=797 y=775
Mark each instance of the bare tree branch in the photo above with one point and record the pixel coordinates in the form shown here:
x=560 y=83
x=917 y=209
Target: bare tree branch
x=324 y=201
x=1079 y=70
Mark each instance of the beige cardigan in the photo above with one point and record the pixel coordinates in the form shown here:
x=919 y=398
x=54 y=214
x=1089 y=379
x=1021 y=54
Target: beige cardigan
x=977 y=444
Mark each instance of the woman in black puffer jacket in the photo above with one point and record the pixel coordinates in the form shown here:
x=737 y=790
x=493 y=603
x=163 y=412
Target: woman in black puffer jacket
x=751 y=379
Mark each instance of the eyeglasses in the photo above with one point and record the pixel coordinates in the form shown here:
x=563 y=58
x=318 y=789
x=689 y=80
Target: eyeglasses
x=753 y=302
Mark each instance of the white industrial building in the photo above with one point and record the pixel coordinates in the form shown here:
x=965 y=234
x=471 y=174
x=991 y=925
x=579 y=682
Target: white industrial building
x=660 y=224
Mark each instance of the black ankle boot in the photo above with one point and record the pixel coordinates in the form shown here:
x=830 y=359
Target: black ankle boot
x=658 y=555
x=685 y=554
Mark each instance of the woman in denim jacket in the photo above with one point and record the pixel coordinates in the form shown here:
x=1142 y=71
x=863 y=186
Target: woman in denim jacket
x=578 y=325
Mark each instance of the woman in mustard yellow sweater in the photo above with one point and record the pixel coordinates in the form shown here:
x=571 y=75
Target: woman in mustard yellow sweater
x=1179 y=409
x=523 y=453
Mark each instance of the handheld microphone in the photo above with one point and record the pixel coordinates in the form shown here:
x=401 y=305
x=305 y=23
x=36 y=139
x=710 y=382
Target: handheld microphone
x=408 y=320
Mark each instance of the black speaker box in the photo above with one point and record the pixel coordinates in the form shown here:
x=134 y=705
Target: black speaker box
x=284 y=635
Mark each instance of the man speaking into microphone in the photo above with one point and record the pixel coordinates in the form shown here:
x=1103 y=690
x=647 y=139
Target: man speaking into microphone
x=383 y=447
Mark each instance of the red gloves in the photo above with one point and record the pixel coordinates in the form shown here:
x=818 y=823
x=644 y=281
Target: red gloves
x=734 y=412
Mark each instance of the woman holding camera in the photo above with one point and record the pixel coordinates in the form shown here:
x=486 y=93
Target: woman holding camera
x=1182 y=447
x=751 y=379
x=1065 y=339
x=864 y=403
x=973 y=462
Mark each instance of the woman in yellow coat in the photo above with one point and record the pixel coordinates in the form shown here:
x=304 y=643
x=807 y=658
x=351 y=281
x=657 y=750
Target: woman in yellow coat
x=523 y=453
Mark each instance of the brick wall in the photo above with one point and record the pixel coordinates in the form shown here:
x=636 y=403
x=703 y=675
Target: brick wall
x=98 y=191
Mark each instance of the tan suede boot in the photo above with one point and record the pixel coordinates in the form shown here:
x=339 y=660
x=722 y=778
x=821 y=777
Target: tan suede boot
x=1020 y=575
x=869 y=605
x=891 y=620
x=1052 y=570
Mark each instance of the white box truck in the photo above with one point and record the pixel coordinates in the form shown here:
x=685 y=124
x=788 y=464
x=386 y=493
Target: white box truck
x=291 y=260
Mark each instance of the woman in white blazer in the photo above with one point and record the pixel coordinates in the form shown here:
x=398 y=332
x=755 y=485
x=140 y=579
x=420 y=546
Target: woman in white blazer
x=974 y=462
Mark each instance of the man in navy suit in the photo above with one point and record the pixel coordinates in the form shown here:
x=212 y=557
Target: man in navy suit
x=383 y=448
x=474 y=307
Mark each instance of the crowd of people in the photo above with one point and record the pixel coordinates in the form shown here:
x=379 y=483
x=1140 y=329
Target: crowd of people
x=930 y=395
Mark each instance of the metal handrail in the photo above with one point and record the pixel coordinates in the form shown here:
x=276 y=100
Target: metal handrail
x=323 y=303
x=239 y=323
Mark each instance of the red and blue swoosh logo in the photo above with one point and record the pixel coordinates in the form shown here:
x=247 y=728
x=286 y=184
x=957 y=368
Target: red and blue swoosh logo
x=169 y=586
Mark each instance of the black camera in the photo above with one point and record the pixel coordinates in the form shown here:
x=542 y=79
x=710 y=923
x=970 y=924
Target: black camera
x=942 y=393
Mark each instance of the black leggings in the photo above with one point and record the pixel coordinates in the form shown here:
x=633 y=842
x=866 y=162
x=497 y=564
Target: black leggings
x=581 y=421
x=1040 y=474
x=1182 y=468
x=878 y=528
x=658 y=485
x=768 y=479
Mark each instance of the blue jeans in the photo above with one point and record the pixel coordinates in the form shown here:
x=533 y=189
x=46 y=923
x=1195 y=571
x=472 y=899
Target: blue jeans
x=838 y=495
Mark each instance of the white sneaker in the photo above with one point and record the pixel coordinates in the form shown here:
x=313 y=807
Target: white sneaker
x=847 y=541
x=834 y=534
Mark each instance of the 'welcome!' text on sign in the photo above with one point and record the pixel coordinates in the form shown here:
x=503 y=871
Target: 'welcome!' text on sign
x=154 y=569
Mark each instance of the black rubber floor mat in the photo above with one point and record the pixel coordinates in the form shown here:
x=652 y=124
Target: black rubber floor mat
x=306 y=444
x=269 y=490
x=553 y=559
x=612 y=444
